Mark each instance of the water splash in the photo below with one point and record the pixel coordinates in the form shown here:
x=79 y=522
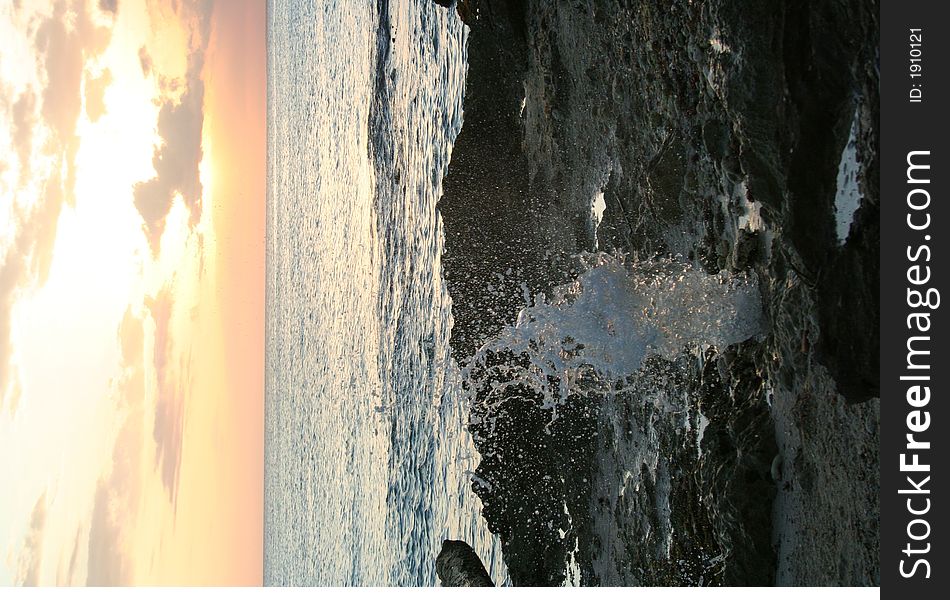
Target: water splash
x=598 y=330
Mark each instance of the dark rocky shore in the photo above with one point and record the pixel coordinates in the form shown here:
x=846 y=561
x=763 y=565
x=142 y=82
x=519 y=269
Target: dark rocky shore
x=692 y=118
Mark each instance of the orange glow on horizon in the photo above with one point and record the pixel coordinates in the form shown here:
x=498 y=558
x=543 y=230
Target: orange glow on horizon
x=221 y=509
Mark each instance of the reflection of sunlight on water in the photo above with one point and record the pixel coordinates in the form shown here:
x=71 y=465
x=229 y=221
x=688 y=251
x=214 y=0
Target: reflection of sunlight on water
x=368 y=456
x=325 y=448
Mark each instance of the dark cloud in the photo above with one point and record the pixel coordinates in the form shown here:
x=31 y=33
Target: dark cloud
x=167 y=433
x=30 y=559
x=160 y=308
x=176 y=163
x=180 y=120
x=62 y=52
x=169 y=407
x=116 y=501
x=109 y=6
x=131 y=338
x=145 y=61
x=114 y=510
x=95 y=38
x=96 y=93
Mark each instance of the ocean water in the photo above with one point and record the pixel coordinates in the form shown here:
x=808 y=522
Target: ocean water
x=367 y=456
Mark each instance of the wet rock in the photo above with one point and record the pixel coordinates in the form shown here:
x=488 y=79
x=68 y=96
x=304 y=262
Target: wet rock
x=748 y=244
x=458 y=565
x=534 y=479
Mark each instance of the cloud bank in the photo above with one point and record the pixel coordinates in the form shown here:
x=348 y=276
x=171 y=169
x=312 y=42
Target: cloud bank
x=115 y=506
x=63 y=42
x=179 y=153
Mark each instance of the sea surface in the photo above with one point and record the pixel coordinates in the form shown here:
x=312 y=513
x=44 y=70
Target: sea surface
x=367 y=456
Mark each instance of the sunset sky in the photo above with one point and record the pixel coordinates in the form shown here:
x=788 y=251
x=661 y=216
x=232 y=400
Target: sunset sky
x=132 y=157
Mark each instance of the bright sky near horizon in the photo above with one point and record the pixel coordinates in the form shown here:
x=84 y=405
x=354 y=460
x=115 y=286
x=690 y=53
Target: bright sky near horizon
x=132 y=182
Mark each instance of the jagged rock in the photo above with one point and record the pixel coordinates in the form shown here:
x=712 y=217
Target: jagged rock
x=467 y=10
x=459 y=566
